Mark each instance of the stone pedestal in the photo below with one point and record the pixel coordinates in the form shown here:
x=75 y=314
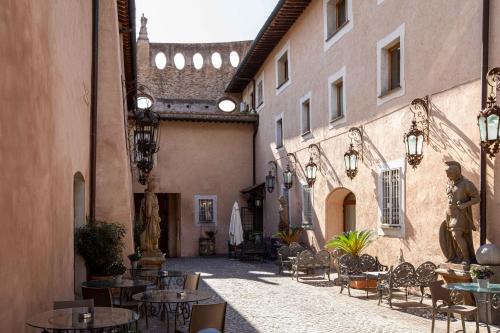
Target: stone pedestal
x=153 y=259
x=456 y=273
x=495 y=314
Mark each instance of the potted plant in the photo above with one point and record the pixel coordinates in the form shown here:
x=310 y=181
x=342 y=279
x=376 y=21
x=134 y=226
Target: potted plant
x=135 y=257
x=289 y=236
x=100 y=244
x=482 y=274
x=353 y=242
x=117 y=269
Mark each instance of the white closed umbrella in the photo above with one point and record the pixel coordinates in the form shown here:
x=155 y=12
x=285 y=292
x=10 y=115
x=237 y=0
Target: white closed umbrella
x=235 y=228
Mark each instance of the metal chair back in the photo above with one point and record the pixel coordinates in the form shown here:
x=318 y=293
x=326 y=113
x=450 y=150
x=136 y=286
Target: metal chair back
x=207 y=316
x=426 y=273
x=101 y=297
x=322 y=259
x=192 y=282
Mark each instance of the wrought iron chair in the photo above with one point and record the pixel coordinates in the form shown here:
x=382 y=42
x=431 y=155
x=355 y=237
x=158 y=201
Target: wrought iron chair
x=351 y=269
x=402 y=276
x=304 y=262
x=207 y=316
x=426 y=274
x=284 y=262
x=322 y=260
x=295 y=249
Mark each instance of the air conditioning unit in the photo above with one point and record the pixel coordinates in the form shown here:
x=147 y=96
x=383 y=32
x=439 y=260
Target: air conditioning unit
x=243 y=107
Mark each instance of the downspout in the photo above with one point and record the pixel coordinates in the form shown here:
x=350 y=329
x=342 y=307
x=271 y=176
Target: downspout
x=255 y=129
x=484 y=92
x=93 y=106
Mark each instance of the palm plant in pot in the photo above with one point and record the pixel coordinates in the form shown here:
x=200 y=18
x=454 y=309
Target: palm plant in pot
x=289 y=236
x=482 y=275
x=101 y=245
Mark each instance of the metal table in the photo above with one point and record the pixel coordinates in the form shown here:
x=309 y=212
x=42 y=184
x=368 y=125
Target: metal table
x=167 y=297
x=68 y=319
x=165 y=279
x=123 y=284
x=492 y=293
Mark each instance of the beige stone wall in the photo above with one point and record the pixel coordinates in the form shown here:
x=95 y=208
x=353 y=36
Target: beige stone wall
x=204 y=159
x=442 y=60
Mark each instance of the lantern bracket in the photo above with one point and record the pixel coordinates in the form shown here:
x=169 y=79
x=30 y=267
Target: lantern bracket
x=493 y=79
x=420 y=109
x=356 y=136
x=314 y=152
x=292 y=161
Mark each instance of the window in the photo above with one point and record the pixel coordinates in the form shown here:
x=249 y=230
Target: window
x=260 y=92
x=338 y=20
x=336 y=86
x=279 y=131
x=283 y=69
x=307 y=205
x=252 y=100
x=390 y=66
x=305 y=114
x=205 y=209
x=391 y=196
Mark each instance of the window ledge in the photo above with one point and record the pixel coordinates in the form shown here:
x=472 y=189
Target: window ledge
x=307 y=226
x=390 y=226
x=306 y=136
x=282 y=84
x=336 y=119
x=280 y=147
x=337 y=31
x=390 y=92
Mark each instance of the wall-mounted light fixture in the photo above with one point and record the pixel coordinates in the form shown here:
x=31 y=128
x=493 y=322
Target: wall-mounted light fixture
x=289 y=172
x=419 y=131
x=271 y=179
x=311 y=167
x=489 y=118
x=352 y=155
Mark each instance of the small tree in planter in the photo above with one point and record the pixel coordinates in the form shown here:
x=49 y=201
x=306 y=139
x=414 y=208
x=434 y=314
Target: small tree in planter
x=353 y=242
x=100 y=244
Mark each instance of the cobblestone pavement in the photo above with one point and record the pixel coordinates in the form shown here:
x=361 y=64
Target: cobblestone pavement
x=259 y=300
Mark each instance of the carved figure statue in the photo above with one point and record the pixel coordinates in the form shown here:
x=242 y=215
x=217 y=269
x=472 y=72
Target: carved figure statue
x=150 y=218
x=456 y=231
x=283 y=210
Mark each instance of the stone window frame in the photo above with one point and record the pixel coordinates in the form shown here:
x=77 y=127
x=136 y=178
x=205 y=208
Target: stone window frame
x=329 y=41
x=279 y=117
x=397 y=230
x=383 y=45
x=287 y=83
x=260 y=79
x=340 y=75
x=197 y=199
x=304 y=136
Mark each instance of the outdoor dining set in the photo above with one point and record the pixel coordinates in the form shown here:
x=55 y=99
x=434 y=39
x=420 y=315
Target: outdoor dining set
x=116 y=305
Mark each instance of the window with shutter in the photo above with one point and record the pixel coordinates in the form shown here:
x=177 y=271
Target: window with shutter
x=307 y=206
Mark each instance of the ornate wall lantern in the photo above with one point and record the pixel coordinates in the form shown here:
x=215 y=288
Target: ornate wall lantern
x=289 y=172
x=271 y=177
x=311 y=167
x=489 y=118
x=419 y=131
x=351 y=157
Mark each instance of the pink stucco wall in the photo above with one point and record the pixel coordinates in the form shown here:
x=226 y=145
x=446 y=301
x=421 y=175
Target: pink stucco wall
x=442 y=59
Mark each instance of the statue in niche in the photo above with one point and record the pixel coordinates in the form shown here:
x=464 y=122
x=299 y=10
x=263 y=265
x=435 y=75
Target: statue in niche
x=456 y=231
x=150 y=218
x=283 y=211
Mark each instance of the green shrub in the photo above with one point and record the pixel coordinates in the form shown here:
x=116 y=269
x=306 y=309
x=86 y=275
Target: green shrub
x=353 y=242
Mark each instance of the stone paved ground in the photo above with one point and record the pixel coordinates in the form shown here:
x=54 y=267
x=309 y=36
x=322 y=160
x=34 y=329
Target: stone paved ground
x=261 y=301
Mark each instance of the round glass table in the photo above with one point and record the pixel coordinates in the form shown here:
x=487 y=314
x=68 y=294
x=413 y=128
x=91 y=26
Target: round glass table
x=69 y=319
x=124 y=283
x=166 y=279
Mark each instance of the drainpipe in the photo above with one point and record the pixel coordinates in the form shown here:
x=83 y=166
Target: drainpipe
x=93 y=106
x=484 y=92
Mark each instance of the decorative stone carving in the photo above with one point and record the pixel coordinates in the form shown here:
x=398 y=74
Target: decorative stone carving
x=150 y=219
x=456 y=231
x=488 y=254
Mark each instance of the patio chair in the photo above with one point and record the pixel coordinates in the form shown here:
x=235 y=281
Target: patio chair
x=426 y=274
x=283 y=258
x=349 y=267
x=443 y=296
x=207 y=316
x=295 y=249
x=304 y=262
x=322 y=260
x=402 y=276
x=80 y=303
x=192 y=282
x=101 y=297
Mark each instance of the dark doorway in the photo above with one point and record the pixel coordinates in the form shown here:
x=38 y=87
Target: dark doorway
x=169 y=225
x=349 y=205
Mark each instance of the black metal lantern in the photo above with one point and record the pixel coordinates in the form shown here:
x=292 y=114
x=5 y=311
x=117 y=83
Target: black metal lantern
x=489 y=118
x=419 y=131
x=351 y=162
x=311 y=169
x=271 y=178
x=288 y=177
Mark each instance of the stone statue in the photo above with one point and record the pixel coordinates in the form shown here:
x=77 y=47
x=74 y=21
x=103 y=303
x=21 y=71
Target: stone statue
x=150 y=218
x=456 y=231
x=283 y=210
x=143 y=31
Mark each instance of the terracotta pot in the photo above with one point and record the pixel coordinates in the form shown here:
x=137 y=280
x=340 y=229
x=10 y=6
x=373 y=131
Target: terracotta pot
x=364 y=284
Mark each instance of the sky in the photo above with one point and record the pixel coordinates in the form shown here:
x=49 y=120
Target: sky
x=203 y=21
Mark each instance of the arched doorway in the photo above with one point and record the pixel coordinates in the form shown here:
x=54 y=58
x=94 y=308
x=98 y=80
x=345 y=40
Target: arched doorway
x=340 y=212
x=80 y=272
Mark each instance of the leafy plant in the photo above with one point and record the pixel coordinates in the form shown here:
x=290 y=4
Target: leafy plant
x=136 y=256
x=289 y=236
x=211 y=233
x=100 y=244
x=117 y=268
x=353 y=242
x=481 y=272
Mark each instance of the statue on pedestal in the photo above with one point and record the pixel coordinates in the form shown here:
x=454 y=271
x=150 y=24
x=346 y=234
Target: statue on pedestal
x=283 y=210
x=456 y=231
x=150 y=219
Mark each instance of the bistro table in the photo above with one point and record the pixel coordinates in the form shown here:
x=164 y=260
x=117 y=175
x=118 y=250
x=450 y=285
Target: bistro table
x=110 y=284
x=68 y=319
x=492 y=293
x=167 y=297
x=373 y=275
x=167 y=279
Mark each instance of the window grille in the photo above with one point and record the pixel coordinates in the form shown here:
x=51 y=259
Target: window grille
x=307 y=205
x=206 y=211
x=391 y=197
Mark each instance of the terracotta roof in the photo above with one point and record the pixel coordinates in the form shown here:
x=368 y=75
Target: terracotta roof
x=126 y=18
x=277 y=25
x=219 y=117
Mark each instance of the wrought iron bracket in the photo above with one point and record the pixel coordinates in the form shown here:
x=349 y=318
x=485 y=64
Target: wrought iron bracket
x=292 y=161
x=314 y=151
x=420 y=107
x=356 y=136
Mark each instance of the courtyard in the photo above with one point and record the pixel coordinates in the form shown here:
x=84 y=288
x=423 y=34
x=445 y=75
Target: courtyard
x=259 y=300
